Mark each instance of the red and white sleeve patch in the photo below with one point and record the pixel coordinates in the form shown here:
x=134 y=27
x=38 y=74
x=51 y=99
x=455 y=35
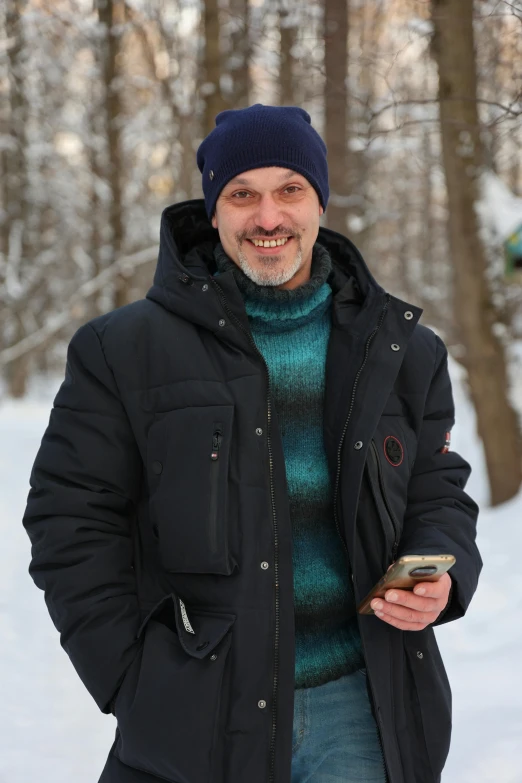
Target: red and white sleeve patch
x=447 y=443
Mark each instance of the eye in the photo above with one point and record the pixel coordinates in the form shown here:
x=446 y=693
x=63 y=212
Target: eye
x=240 y=193
x=292 y=189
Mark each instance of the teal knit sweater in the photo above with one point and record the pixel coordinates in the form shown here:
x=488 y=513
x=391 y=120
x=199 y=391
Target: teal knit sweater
x=291 y=329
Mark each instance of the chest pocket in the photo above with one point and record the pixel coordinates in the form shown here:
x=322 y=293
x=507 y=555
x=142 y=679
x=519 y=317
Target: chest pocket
x=389 y=467
x=188 y=463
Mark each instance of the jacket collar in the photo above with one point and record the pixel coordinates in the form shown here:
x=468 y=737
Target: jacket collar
x=186 y=264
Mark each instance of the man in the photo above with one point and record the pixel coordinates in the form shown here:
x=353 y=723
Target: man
x=230 y=465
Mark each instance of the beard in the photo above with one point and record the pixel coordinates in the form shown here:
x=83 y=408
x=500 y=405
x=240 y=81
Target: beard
x=269 y=271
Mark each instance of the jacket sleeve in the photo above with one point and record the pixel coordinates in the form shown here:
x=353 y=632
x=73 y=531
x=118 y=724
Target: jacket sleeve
x=79 y=515
x=440 y=517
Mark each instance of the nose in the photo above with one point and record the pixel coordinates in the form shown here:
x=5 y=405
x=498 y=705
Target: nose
x=268 y=214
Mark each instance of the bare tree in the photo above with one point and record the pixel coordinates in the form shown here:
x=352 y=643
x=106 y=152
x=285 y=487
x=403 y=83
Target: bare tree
x=475 y=316
x=211 y=88
x=336 y=108
x=288 y=36
x=14 y=225
x=101 y=112
x=237 y=61
x=365 y=27
x=110 y=14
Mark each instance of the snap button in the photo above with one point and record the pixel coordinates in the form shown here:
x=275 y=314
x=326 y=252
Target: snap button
x=211 y=174
x=157 y=467
x=213 y=657
x=264 y=565
x=202 y=645
x=408 y=315
x=261 y=704
x=395 y=347
x=259 y=431
x=419 y=654
x=222 y=322
x=357 y=446
x=204 y=287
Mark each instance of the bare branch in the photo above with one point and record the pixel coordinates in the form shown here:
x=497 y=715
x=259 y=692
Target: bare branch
x=124 y=266
x=517 y=9
x=395 y=104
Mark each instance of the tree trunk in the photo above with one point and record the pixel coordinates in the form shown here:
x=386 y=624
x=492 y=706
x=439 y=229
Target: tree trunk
x=15 y=244
x=288 y=35
x=211 y=88
x=336 y=109
x=238 y=60
x=475 y=317
x=111 y=13
x=186 y=175
x=365 y=26
x=515 y=170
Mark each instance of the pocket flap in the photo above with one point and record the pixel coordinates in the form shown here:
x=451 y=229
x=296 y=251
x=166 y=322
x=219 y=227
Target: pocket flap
x=199 y=631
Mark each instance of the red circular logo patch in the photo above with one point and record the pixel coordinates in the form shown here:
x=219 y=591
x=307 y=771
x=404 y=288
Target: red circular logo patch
x=393 y=451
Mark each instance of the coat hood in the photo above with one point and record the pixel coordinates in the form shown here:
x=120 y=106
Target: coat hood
x=186 y=265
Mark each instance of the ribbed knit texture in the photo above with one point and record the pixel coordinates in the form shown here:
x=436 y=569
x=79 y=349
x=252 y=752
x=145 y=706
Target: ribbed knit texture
x=291 y=329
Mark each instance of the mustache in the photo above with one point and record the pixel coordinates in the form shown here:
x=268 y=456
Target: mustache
x=260 y=232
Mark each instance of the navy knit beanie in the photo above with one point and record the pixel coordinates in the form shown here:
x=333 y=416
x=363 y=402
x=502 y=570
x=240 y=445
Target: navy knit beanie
x=260 y=136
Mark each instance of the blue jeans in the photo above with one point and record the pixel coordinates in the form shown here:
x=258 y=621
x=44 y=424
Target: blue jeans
x=335 y=737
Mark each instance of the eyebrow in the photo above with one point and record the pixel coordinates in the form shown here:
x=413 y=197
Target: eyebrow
x=243 y=181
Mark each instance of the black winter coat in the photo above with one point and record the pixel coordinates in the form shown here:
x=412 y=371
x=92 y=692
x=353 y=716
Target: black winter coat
x=160 y=527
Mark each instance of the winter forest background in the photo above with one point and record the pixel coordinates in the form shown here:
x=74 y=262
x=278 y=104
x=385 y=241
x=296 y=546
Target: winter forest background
x=102 y=106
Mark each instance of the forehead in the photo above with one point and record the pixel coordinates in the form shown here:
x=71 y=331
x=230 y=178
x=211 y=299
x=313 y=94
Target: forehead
x=268 y=176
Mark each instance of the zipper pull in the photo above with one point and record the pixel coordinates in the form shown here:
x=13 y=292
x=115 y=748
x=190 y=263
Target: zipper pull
x=216 y=443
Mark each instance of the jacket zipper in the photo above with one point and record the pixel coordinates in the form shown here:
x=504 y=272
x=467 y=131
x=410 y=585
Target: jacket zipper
x=338 y=476
x=217 y=437
x=240 y=326
x=389 y=521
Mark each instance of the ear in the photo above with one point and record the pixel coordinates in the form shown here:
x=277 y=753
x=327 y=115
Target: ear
x=214 y=221
x=321 y=210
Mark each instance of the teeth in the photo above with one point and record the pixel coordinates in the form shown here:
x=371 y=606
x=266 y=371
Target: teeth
x=270 y=242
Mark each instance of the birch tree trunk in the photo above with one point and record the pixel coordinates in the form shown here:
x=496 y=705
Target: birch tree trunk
x=475 y=317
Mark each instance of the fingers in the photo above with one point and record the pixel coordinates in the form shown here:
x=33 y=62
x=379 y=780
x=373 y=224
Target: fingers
x=438 y=589
x=414 y=611
x=411 y=601
x=408 y=619
x=403 y=625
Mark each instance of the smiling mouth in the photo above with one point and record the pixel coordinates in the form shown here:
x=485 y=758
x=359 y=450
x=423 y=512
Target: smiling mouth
x=268 y=243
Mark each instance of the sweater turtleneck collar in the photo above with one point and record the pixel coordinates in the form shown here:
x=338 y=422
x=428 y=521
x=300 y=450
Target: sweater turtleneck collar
x=272 y=310
x=321 y=269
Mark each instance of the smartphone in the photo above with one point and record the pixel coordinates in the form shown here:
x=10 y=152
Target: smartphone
x=406 y=573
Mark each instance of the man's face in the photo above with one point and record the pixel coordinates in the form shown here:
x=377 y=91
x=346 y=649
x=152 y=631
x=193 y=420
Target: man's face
x=273 y=205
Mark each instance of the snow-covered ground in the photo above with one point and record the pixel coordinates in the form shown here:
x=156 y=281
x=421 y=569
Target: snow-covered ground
x=51 y=731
